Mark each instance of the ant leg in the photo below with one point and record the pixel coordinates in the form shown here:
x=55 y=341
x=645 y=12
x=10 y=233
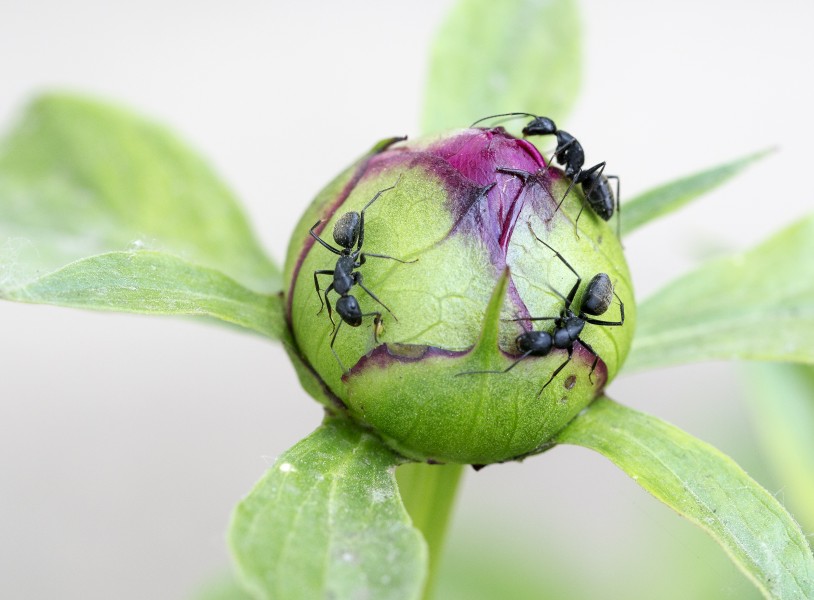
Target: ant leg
x=336 y=356
x=531 y=319
x=506 y=370
x=404 y=262
x=610 y=323
x=568 y=191
x=362 y=213
x=618 y=207
x=372 y=295
x=589 y=172
x=524 y=175
x=328 y=303
x=575 y=287
x=596 y=359
x=579 y=214
x=557 y=370
x=320 y=240
x=316 y=285
x=559 y=149
x=377 y=324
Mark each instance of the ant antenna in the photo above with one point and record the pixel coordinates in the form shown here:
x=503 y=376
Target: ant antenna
x=511 y=114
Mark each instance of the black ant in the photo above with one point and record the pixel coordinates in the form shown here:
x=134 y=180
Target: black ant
x=570 y=154
x=348 y=231
x=567 y=326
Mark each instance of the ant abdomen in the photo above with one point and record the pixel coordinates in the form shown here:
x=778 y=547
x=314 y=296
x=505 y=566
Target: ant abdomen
x=598 y=295
x=600 y=196
x=346 y=230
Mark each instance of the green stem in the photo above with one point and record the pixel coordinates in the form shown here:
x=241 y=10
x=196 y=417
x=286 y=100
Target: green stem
x=428 y=492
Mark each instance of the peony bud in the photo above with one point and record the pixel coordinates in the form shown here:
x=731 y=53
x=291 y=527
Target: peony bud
x=426 y=366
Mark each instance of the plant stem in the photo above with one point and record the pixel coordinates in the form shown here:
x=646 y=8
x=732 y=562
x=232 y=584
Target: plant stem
x=428 y=492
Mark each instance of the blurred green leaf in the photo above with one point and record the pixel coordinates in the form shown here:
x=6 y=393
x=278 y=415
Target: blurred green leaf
x=224 y=587
x=518 y=55
x=327 y=521
x=758 y=305
x=79 y=178
x=154 y=283
x=782 y=405
x=708 y=488
x=485 y=565
x=671 y=196
x=540 y=557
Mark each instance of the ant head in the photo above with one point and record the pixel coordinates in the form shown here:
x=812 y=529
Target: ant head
x=540 y=126
x=346 y=230
x=598 y=295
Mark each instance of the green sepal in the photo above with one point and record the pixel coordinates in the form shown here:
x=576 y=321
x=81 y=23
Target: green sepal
x=156 y=283
x=758 y=305
x=658 y=202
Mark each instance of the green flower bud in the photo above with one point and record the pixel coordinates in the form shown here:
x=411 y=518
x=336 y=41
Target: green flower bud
x=470 y=251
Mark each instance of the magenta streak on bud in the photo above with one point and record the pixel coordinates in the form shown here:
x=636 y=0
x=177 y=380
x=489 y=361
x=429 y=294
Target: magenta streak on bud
x=477 y=154
x=383 y=356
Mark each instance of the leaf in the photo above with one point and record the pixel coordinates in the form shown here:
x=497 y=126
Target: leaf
x=708 y=488
x=532 y=557
x=326 y=521
x=154 y=283
x=80 y=178
x=225 y=587
x=671 y=196
x=782 y=405
x=758 y=305
x=519 y=55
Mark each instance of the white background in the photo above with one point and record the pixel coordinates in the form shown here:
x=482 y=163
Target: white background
x=126 y=440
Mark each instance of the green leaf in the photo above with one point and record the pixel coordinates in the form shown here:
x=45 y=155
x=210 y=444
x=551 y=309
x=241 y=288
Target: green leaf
x=708 y=488
x=520 y=55
x=671 y=196
x=782 y=404
x=327 y=521
x=225 y=587
x=154 y=283
x=80 y=178
x=533 y=557
x=758 y=305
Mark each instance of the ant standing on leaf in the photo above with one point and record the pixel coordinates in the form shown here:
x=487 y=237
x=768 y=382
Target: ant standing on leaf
x=568 y=325
x=569 y=153
x=349 y=231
